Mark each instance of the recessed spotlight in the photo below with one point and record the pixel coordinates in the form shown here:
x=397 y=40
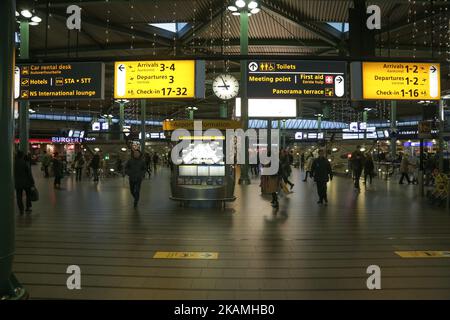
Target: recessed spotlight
x=232 y=8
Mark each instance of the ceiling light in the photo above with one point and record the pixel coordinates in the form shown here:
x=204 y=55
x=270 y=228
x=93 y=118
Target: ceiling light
x=255 y=10
x=33 y=23
x=236 y=13
x=240 y=3
x=36 y=19
x=17 y=14
x=26 y=13
x=252 y=5
x=232 y=8
x=124 y=149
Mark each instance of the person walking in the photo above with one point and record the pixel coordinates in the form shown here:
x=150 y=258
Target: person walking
x=79 y=164
x=23 y=181
x=322 y=173
x=135 y=169
x=404 y=169
x=285 y=168
x=369 y=168
x=95 y=165
x=58 y=170
x=46 y=160
x=357 y=162
x=308 y=164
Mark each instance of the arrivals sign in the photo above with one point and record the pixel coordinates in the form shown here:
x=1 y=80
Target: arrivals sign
x=60 y=81
x=296 y=79
x=401 y=81
x=167 y=79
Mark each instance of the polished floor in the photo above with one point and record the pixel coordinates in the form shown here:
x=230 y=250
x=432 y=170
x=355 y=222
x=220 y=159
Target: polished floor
x=301 y=251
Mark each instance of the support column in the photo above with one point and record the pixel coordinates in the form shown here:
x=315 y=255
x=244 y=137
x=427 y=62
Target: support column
x=441 y=135
x=9 y=286
x=24 y=121
x=244 y=178
x=191 y=114
x=223 y=112
x=143 y=116
x=319 y=123
x=365 y=118
x=121 y=119
x=393 y=128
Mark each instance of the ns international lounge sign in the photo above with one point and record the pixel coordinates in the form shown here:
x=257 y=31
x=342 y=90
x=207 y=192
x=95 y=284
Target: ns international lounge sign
x=60 y=81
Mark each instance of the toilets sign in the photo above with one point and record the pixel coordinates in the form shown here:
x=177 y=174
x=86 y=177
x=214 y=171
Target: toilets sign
x=296 y=79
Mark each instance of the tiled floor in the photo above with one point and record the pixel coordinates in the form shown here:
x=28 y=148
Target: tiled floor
x=303 y=251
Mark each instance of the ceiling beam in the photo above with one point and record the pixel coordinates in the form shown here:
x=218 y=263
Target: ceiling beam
x=112 y=27
x=288 y=15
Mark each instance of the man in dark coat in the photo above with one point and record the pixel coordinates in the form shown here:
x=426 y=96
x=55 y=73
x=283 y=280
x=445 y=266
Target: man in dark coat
x=95 y=165
x=322 y=173
x=357 y=162
x=135 y=169
x=23 y=179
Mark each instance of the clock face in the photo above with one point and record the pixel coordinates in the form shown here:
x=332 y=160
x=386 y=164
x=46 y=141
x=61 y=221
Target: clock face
x=225 y=86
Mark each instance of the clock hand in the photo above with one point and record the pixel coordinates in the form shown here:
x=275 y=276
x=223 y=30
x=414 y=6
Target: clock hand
x=224 y=84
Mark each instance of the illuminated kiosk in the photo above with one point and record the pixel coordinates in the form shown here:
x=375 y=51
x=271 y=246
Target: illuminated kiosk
x=202 y=173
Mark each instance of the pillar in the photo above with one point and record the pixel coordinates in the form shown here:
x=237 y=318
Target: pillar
x=244 y=178
x=9 y=286
x=121 y=119
x=24 y=121
x=393 y=128
x=143 y=116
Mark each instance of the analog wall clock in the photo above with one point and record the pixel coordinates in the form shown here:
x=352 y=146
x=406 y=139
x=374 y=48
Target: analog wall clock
x=226 y=86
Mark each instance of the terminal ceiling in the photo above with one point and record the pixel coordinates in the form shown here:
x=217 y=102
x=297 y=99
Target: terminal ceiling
x=121 y=29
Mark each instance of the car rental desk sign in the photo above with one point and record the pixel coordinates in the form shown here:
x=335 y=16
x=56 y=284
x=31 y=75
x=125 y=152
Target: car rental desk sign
x=60 y=81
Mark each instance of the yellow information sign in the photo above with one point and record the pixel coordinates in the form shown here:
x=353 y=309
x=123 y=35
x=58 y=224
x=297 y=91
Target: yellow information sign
x=155 y=79
x=401 y=81
x=186 y=255
x=423 y=254
x=206 y=124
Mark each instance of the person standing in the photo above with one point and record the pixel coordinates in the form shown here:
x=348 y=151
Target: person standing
x=46 y=160
x=148 y=166
x=58 y=170
x=155 y=161
x=302 y=162
x=79 y=164
x=322 y=173
x=23 y=181
x=369 y=168
x=135 y=170
x=404 y=169
x=357 y=162
x=95 y=165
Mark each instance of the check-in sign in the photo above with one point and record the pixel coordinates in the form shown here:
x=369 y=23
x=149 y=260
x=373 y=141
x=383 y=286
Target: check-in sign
x=401 y=81
x=166 y=79
x=59 y=81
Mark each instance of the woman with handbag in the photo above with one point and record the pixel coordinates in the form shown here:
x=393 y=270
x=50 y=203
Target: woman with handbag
x=23 y=180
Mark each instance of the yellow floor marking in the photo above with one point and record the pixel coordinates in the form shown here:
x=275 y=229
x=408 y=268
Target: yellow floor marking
x=186 y=255
x=423 y=254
